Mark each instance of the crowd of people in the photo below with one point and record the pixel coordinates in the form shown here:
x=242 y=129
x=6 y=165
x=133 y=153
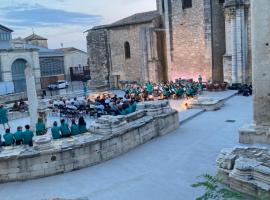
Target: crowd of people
x=180 y=88
x=26 y=137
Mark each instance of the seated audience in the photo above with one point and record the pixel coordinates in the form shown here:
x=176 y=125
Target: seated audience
x=82 y=125
x=56 y=131
x=8 y=137
x=74 y=128
x=18 y=135
x=27 y=136
x=40 y=127
x=65 y=131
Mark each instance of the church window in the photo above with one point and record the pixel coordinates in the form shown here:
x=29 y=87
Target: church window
x=221 y=1
x=163 y=6
x=127 y=50
x=186 y=4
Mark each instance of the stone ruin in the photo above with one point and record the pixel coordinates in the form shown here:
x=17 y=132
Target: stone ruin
x=109 y=137
x=245 y=169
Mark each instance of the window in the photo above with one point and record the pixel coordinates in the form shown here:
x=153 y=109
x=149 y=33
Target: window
x=5 y=36
x=51 y=66
x=127 y=50
x=186 y=4
x=221 y=1
x=163 y=6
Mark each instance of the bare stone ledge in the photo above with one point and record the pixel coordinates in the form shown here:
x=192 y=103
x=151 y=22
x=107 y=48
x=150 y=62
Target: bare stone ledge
x=205 y=103
x=108 y=138
x=251 y=133
x=246 y=170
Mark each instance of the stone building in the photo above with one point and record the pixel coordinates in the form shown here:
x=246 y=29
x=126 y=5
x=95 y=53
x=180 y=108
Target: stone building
x=128 y=50
x=75 y=60
x=47 y=64
x=237 y=60
x=182 y=38
x=195 y=38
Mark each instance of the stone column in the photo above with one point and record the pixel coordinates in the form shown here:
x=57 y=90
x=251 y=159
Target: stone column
x=168 y=39
x=260 y=22
x=32 y=96
x=260 y=19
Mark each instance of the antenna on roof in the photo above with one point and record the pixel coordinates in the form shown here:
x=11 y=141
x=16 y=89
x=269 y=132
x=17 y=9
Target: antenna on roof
x=62 y=45
x=33 y=31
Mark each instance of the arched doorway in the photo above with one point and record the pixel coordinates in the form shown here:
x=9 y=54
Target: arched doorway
x=18 y=76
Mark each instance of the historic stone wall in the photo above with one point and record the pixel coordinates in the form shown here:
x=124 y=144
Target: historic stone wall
x=196 y=32
x=104 y=143
x=99 y=63
x=218 y=31
x=144 y=63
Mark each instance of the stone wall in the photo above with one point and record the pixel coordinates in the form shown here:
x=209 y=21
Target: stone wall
x=192 y=40
x=144 y=64
x=99 y=62
x=109 y=137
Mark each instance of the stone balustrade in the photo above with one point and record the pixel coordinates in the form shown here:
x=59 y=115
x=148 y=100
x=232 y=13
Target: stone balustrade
x=107 y=138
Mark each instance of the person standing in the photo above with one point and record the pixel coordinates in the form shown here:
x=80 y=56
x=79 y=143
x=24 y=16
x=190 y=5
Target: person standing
x=3 y=116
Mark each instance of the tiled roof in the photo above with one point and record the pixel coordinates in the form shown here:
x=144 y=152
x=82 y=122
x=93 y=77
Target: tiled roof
x=133 y=19
x=34 y=37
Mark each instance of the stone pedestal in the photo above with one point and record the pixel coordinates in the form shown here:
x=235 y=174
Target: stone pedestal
x=208 y=104
x=32 y=96
x=154 y=108
x=42 y=143
x=43 y=110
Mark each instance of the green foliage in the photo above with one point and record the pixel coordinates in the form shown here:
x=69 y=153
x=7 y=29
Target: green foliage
x=214 y=191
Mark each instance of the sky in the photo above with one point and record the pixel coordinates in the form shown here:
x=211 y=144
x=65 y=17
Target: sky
x=64 y=21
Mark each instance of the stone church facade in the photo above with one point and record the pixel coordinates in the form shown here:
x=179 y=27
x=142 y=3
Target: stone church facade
x=181 y=39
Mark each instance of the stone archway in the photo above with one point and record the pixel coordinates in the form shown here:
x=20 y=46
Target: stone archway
x=18 y=76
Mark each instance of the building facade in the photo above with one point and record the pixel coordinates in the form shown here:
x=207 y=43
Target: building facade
x=126 y=51
x=237 y=60
x=75 y=61
x=181 y=39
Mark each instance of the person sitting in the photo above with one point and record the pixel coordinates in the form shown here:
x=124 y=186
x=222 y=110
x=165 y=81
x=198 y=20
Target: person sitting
x=27 y=136
x=16 y=106
x=82 y=125
x=65 y=131
x=74 y=128
x=40 y=127
x=9 y=139
x=18 y=135
x=55 y=131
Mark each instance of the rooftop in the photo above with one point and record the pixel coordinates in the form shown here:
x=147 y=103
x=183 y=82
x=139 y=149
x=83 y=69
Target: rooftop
x=34 y=37
x=133 y=19
x=68 y=50
x=5 y=28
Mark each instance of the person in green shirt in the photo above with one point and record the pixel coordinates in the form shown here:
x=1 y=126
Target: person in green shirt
x=74 y=128
x=82 y=125
x=18 y=135
x=9 y=139
x=40 y=127
x=65 y=131
x=149 y=88
x=55 y=131
x=3 y=116
x=27 y=136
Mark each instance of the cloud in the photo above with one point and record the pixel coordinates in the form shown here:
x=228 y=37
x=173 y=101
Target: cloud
x=39 y=16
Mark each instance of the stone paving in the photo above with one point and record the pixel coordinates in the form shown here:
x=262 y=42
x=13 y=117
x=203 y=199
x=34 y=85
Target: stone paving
x=161 y=169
